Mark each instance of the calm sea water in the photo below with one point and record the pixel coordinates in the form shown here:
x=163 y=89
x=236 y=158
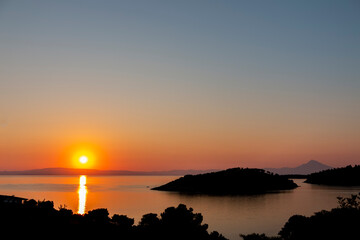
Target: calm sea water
x=131 y=195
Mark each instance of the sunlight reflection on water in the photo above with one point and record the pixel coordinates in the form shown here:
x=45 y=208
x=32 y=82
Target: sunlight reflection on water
x=82 y=194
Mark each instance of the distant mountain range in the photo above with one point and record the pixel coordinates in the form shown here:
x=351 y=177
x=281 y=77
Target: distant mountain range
x=304 y=169
x=310 y=167
x=75 y=171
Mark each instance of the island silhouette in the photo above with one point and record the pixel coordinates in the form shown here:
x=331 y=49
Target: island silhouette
x=232 y=181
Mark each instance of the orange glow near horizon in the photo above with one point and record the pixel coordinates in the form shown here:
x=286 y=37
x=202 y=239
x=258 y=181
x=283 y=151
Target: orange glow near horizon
x=208 y=151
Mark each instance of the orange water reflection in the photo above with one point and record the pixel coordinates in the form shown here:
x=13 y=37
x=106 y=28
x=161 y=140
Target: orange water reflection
x=82 y=194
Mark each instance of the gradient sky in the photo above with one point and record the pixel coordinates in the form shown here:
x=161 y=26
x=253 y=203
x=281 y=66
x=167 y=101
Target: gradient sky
x=155 y=85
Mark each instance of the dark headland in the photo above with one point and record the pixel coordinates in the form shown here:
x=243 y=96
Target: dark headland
x=230 y=182
x=346 y=176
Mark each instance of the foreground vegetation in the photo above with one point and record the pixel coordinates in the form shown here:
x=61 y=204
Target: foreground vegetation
x=339 y=223
x=39 y=219
x=230 y=182
x=346 y=176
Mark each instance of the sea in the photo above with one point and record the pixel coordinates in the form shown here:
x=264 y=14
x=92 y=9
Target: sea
x=132 y=196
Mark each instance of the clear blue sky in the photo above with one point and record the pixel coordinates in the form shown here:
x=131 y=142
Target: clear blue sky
x=180 y=84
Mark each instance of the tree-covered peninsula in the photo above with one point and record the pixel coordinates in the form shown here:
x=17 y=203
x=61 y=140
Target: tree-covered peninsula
x=346 y=176
x=230 y=182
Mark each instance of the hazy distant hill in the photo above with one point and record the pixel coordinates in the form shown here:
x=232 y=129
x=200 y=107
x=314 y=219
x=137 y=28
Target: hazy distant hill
x=74 y=171
x=304 y=169
x=230 y=182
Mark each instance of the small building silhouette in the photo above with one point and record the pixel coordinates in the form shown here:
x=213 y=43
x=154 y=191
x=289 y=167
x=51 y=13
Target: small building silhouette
x=11 y=199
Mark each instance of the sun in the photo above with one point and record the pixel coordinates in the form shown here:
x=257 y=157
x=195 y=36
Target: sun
x=83 y=159
x=84 y=156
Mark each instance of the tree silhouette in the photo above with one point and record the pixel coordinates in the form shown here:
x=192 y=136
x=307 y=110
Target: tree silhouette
x=176 y=223
x=99 y=216
x=149 y=220
x=122 y=221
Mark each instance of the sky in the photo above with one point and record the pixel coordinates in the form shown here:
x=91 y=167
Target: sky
x=160 y=85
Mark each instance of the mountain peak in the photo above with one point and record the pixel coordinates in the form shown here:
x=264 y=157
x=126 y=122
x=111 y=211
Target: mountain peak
x=315 y=162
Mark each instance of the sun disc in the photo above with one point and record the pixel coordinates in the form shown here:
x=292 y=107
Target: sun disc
x=83 y=159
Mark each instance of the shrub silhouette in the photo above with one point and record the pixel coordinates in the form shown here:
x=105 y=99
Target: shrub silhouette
x=350 y=202
x=255 y=236
x=63 y=211
x=46 y=204
x=30 y=203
